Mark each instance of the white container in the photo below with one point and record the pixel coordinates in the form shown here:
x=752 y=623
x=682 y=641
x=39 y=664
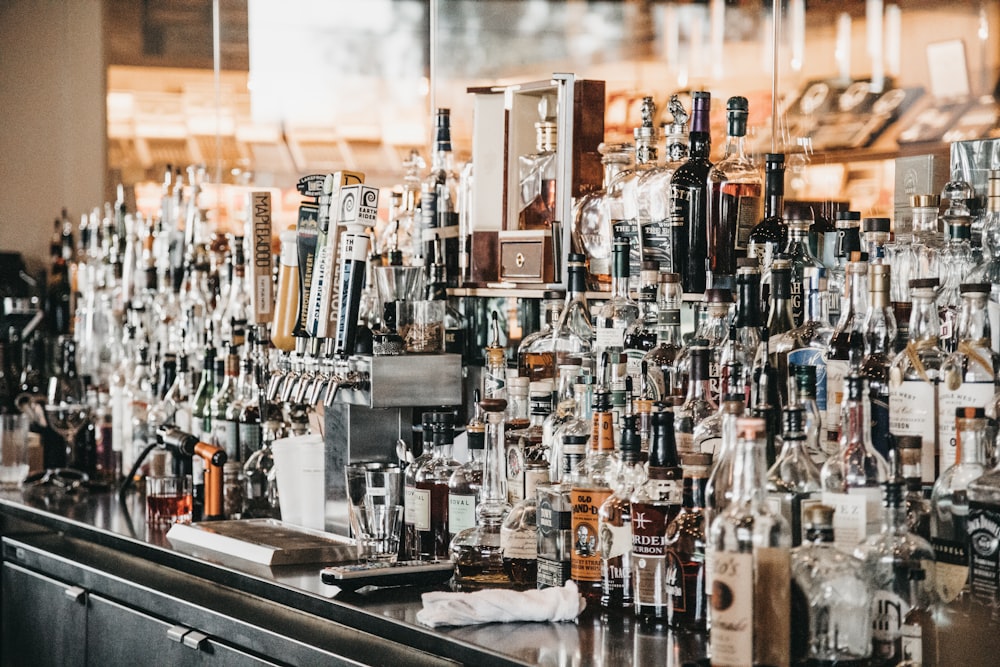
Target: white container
x=299 y=464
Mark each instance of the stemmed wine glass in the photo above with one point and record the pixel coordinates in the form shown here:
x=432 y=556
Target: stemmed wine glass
x=66 y=406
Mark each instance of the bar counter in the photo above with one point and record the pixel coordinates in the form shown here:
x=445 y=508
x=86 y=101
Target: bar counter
x=100 y=545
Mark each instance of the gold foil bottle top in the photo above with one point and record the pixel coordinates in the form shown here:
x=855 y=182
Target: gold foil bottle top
x=924 y=201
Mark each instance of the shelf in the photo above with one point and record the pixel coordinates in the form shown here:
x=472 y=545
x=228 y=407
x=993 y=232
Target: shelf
x=537 y=293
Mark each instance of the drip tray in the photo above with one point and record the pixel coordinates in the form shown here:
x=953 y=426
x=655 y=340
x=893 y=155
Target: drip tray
x=265 y=541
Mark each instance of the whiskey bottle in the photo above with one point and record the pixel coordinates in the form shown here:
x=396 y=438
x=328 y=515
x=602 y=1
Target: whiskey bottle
x=515 y=421
x=519 y=542
x=689 y=201
x=699 y=403
x=614 y=521
x=802 y=260
x=748 y=551
x=535 y=358
x=880 y=336
x=847 y=345
x=914 y=377
x=593 y=214
x=537 y=172
x=950 y=503
x=770 y=235
x=416 y=502
x=555 y=516
x=684 y=575
x=918 y=507
x=432 y=481
x=655 y=504
x=466 y=482
x=655 y=228
x=735 y=203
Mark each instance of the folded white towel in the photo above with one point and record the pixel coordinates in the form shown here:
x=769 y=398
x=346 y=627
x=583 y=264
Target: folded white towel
x=498 y=605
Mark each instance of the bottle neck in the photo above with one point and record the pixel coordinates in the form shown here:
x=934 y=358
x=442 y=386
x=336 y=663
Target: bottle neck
x=701 y=145
x=925 y=324
x=695 y=491
x=973 y=320
x=925 y=220
x=971 y=441
x=493 y=506
x=817 y=306
x=612 y=168
x=749 y=472
x=736 y=146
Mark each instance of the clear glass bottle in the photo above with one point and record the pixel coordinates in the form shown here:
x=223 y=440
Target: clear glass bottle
x=876 y=235
x=744 y=334
x=770 y=235
x=523 y=444
x=635 y=207
x=880 y=336
x=708 y=433
x=432 y=479
x=915 y=374
x=232 y=320
x=465 y=483
x=476 y=552
x=564 y=406
x=950 y=502
x=535 y=357
x=655 y=504
x=837 y=593
x=956 y=263
x=750 y=561
x=689 y=201
x=919 y=634
x=537 y=172
x=416 y=503
x=719 y=489
x=641 y=335
x=781 y=315
x=699 y=403
x=614 y=522
x=225 y=432
x=594 y=212
x=572 y=335
x=989 y=270
x=619 y=311
x=661 y=360
x=735 y=203
x=714 y=328
x=918 y=506
x=848 y=240
x=519 y=543
x=803 y=380
x=847 y=344
x=555 y=516
x=201 y=423
x=802 y=262
x=654 y=190
x=794 y=477
x=439 y=200
x=495 y=373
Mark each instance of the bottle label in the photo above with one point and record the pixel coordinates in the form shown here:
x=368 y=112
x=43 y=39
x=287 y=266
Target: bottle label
x=772 y=605
x=966 y=394
x=461 y=512
x=649 y=552
x=912 y=646
x=746 y=216
x=732 y=637
x=226 y=434
x=854 y=514
x=586 y=559
x=656 y=240
x=551 y=519
x=911 y=412
x=709 y=445
x=616 y=540
x=519 y=544
x=607 y=337
x=984 y=553
x=603 y=435
x=552 y=573
x=685 y=442
x=417 y=508
x=666 y=491
x=951 y=566
x=888 y=610
x=533 y=476
x=808 y=356
x=836 y=374
x=515 y=474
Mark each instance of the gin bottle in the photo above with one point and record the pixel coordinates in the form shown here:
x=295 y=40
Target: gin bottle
x=748 y=550
x=689 y=201
x=914 y=377
x=735 y=203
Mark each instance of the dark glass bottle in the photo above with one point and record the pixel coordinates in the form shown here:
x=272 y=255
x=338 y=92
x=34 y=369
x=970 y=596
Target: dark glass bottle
x=770 y=235
x=780 y=317
x=880 y=336
x=689 y=200
x=686 y=549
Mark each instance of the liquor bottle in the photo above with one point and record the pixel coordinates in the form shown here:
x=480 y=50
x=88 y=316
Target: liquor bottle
x=747 y=320
x=519 y=542
x=246 y=395
x=848 y=240
x=439 y=199
x=748 y=552
x=515 y=421
x=476 y=552
x=719 y=488
x=876 y=236
x=914 y=377
x=661 y=360
x=713 y=327
x=495 y=374
x=232 y=320
x=685 y=576
x=655 y=228
x=837 y=593
x=770 y=235
x=225 y=432
x=918 y=507
x=619 y=311
x=968 y=375
x=431 y=480
x=949 y=502
x=699 y=403
x=139 y=398
x=880 y=336
x=523 y=440
x=708 y=433
x=803 y=380
x=794 y=478
x=593 y=213
x=640 y=337
x=590 y=487
x=614 y=522
x=764 y=400
x=736 y=204
x=635 y=206
x=537 y=172
x=416 y=503
x=889 y=558
x=564 y=407
x=847 y=344
x=919 y=634
x=655 y=504
x=802 y=260
x=535 y=358
x=924 y=257
x=781 y=315
x=989 y=270
x=555 y=516
x=572 y=335
x=853 y=477
x=465 y=483
x=689 y=201
x=956 y=264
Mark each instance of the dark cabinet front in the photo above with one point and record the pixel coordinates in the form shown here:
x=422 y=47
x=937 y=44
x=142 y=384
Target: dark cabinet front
x=44 y=621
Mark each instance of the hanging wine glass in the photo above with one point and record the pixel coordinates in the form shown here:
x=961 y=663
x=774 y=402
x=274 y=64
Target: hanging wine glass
x=66 y=407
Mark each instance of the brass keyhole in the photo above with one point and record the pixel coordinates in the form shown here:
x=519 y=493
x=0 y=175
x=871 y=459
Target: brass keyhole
x=519 y=260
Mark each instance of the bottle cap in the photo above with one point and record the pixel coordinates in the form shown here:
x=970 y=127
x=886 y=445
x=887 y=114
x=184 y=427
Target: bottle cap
x=667 y=277
x=974 y=288
x=970 y=413
x=701 y=105
x=908 y=442
x=493 y=404
x=848 y=215
x=818 y=516
x=875 y=224
x=924 y=283
x=718 y=295
x=924 y=201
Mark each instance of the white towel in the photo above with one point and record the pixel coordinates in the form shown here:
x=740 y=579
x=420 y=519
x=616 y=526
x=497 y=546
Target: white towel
x=503 y=606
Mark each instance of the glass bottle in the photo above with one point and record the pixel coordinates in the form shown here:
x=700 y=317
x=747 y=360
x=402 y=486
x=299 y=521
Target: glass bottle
x=175 y=408
x=590 y=487
x=466 y=482
x=950 y=502
x=537 y=172
x=555 y=516
x=968 y=375
x=564 y=407
x=837 y=593
x=781 y=316
x=476 y=552
x=231 y=322
x=989 y=270
x=747 y=321
x=708 y=433
x=802 y=394
x=714 y=328
x=593 y=213
x=918 y=507
x=655 y=228
x=848 y=240
x=661 y=360
x=924 y=257
x=524 y=451
x=919 y=636
x=876 y=235
x=614 y=522
x=956 y=264
x=770 y=235
x=888 y=559
x=519 y=542
x=535 y=357
x=880 y=336
x=852 y=478
x=619 y=311
x=655 y=504
x=689 y=201
x=719 y=488
x=914 y=377
x=735 y=203
x=416 y=503
x=139 y=398
x=802 y=260
x=748 y=551
x=640 y=337
x=847 y=345
x=684 y=576
x=515 y=421
x=573 y=334
x=201 y=420
x=699 y=403
x=495 y=373
x=635 y=207
x=432 y=479
x=247 y=395
x=793 y=478
x=439 y=199
x=225 y=432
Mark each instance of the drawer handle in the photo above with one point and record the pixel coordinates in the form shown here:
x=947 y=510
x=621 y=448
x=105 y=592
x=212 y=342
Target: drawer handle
x=176 y=633
x=76 y=594
x=194 y=639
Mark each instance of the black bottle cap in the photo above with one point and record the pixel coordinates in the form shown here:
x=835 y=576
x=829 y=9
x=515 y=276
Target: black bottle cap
x=974 y=288
x=619 y=255
x=875 y=224
x=630 y=446
x=848 y=215
x=792 y=420
x=908 y=441
x=736 y=116
x=970 y=413
x=662 y=445
x=924 y=283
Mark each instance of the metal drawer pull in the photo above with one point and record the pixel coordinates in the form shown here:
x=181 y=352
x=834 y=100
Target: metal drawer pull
x=176 y=633
x=194 y=639
x=76 y=594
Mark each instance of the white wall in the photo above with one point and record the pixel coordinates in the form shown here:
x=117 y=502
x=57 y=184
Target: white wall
x=52 y=118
